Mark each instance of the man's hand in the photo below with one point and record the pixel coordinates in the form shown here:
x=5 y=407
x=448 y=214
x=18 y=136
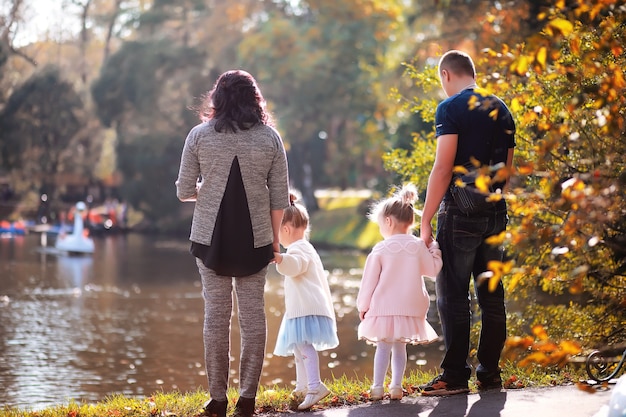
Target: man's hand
x=426 y=233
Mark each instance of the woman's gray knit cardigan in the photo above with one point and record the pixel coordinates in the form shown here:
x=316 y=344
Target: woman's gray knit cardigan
x=263 y=165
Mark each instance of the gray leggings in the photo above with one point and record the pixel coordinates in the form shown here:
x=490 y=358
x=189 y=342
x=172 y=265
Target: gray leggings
x=218 y=305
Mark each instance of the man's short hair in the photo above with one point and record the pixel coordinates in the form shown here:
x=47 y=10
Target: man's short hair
x=458 y=63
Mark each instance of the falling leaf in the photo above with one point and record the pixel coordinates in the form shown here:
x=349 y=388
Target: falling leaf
x=475 y=162
x=493 y=283
x=460 y=169
x=473 y=102
x=494 y=197
x=482 y=183
x=496 y=240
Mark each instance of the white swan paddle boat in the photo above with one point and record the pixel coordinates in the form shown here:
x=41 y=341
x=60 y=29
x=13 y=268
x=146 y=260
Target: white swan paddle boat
x=76 y=242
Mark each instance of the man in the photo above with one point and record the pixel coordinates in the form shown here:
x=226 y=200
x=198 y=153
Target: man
x=470 y=127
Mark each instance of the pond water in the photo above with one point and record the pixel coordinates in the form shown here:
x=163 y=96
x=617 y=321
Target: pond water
x=128 y=320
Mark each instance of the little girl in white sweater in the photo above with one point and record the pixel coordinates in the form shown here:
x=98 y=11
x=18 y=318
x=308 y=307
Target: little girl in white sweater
x=309 y=322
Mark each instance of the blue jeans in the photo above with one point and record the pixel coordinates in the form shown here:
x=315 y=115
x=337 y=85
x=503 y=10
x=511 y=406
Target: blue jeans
x=465 y=253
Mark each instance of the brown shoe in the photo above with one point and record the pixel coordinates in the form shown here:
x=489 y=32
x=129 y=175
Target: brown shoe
x=214 y=408
x=244 y=407
x=439 y=387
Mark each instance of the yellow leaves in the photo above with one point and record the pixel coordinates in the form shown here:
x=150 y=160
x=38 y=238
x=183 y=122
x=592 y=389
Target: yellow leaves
x=475 y=162
x=541 y=56
x=496 y=240
x=563 y=26
x=569 y=347
x=617 y=50
x=540 y=349
x=519 y=342
x=515 y=105
x=520 y=65
x=618 y=78
x=536 y=357
x=540 y=332
x=526 y=168
x=460 y=169
x=578 y=279
x=573 y=189
x=482 y=183
x=574 y=45
x=473 y=102
x=494 y=197
x=495 y=271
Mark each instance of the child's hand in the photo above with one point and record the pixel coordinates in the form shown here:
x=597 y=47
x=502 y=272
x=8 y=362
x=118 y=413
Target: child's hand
x=278 y=257
x=362 y=315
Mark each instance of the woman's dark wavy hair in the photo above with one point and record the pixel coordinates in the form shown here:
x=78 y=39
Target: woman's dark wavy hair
x=235 y=102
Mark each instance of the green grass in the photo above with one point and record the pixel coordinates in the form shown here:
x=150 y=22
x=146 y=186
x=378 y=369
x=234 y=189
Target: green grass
x=346 y=391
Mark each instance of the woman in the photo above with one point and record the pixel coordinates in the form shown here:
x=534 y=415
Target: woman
x=234 y=167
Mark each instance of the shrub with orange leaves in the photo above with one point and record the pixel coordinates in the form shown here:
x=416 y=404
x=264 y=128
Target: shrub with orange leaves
x=566 y=88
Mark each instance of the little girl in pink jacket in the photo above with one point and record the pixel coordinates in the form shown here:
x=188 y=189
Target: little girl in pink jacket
x=393 y=300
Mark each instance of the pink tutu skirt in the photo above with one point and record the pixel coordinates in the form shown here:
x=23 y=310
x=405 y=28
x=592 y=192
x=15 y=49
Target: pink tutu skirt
x=405 y=329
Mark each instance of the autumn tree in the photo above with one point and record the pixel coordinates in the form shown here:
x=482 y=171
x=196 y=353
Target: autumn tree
x=321 y=63
x=42 y=134
x=566 y=88
x=142 y=94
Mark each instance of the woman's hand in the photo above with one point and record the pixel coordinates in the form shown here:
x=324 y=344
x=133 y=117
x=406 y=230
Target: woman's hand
x=362 y=315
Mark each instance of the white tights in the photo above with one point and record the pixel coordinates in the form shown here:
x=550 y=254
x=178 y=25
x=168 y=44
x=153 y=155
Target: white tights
x=384 y=351
x=307 y=367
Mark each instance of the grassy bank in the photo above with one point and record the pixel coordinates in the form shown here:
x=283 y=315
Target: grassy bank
x=342 y=220
x=273 y=400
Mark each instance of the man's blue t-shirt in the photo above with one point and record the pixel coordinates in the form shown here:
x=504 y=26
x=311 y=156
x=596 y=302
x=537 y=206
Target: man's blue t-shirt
x=480 y=123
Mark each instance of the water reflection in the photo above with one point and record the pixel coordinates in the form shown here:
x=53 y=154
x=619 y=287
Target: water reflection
x=128 y=320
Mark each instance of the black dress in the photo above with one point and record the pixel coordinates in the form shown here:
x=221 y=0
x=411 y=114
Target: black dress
x=232 y=252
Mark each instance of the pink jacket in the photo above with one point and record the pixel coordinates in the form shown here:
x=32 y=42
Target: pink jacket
x=393 y=277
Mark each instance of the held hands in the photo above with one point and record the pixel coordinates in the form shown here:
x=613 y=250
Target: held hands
x=278 y=257
x=426 y=233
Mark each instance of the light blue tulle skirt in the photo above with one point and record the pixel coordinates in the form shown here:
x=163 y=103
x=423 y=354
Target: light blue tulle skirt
x=319 y=331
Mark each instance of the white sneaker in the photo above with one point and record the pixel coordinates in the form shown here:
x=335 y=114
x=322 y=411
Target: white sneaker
x=376 y=393
x=396 y=392
x=314 y=396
